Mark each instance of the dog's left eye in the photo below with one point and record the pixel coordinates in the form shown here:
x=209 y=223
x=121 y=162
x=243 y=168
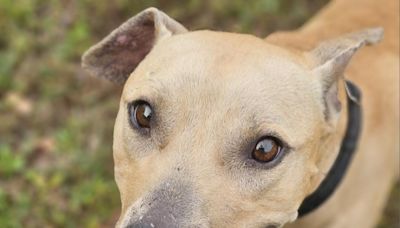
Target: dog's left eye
x=266 y=150
x=140 y=113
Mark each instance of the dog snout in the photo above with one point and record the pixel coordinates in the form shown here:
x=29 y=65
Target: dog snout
x=172 y=204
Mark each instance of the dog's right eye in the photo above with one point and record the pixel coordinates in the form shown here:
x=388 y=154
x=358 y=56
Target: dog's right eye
x=140 y=113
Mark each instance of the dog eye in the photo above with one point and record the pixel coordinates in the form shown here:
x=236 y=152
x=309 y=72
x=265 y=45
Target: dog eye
x=266 y=150
x=140 y=114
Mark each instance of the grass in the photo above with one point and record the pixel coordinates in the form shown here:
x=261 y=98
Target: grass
x=56 y=123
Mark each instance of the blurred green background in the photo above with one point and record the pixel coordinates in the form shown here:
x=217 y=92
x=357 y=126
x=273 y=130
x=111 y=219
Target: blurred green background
x=56 y=123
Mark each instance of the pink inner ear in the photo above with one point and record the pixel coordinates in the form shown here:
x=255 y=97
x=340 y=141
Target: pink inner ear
x=118 y=58
x=122 y=40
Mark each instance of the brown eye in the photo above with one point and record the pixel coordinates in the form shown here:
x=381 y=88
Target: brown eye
x=140 y=114
x=266 y=150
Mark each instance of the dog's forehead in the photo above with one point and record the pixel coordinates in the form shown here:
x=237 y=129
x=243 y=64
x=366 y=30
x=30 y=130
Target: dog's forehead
x=229 y=72
x=222 y=48
x=217 y=57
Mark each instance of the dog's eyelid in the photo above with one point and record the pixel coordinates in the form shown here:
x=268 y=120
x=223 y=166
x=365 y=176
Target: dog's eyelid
x=284 y=144
x=139 y=98
x=277 y=131
x=280 y=139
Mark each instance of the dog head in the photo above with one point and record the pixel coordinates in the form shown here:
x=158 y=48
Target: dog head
x=220 y=129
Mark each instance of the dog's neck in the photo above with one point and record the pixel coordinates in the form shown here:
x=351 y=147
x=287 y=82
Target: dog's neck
x=343 y=159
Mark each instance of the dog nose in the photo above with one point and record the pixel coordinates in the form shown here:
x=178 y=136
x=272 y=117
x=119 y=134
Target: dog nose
x=158 y=216
x=170 y=205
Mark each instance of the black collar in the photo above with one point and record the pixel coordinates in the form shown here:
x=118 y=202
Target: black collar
x=343 y=160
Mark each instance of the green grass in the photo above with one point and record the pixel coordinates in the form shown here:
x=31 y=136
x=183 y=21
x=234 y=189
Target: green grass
x=56 y=123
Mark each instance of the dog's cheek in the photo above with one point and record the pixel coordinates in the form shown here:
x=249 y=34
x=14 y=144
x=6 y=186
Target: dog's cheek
x=124 y=172
x=124 y=165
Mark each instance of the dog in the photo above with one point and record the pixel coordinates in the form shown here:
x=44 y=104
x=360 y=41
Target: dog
x=217 y=129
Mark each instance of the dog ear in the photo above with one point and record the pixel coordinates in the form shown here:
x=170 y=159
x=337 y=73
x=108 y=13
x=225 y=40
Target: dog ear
x=331 y=58
x=118 y=54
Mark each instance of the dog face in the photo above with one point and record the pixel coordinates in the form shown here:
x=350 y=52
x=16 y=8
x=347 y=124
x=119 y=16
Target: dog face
x=219 y=129
x=212 y=100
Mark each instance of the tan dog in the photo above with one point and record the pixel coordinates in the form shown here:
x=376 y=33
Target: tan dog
x=228 y=130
